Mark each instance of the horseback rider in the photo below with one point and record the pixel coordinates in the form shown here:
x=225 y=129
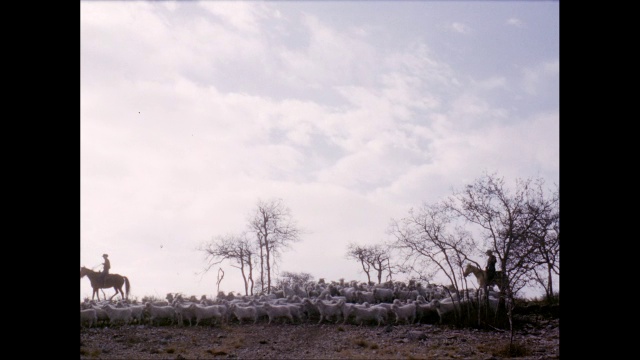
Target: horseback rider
x=490 y=269
x=106 y=266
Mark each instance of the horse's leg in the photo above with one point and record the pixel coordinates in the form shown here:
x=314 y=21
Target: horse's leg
x=116 y=289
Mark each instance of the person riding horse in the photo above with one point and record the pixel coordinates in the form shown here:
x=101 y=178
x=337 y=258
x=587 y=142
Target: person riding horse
x=491 y=266
x=106 y=267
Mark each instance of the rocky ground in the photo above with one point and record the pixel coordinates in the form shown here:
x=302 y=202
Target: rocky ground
x=536 y=339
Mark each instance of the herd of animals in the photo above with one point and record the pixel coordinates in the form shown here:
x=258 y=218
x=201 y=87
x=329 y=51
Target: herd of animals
x=344 y=303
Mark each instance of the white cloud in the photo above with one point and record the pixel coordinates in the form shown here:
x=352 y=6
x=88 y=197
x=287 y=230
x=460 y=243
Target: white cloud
x=491 y=83
x=541 y=75
x=242 y=15
x=515 y=22
x=189 y=116
x=330 y=58
x=460 y=28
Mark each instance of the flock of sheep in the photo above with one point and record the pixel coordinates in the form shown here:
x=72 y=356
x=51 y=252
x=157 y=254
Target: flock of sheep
x=349 y=303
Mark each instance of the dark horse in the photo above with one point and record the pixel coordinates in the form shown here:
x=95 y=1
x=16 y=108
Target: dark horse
x=112 y=280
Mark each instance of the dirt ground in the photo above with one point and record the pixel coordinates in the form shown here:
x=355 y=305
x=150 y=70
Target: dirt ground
x=537 y=339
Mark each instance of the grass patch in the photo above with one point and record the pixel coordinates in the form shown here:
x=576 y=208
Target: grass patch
x=514 y=350
x=361 y=342
x=506 y=350
x=238 y=343
x=365 y=344
x=215 y=352
x=92 y=353
x=134 y=339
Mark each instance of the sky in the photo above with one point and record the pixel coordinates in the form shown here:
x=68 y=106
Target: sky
x=352 y=113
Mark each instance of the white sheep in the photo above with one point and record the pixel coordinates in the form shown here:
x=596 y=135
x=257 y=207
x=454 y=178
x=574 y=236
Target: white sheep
x=137 y=311
x=373 y=313
x=406 y=294
x=405 y=313
x=88 y=315
x=300 y=291
x=261 y=312
x=118 y=314
x=206 y=302
x=445 y=306
x=287 y=291
x=85 y=305
x=210 y=312
x=329 y=310
x=387 y=306
x=347 y=310
x=244 y=312
x=297 y=310
x=383 y=295
x=278 y=311
x=309 y=308
x=365 y=296
x=184 y=311
x=426 y=312
x=349 y=294
x=102 y=315
x=158 y=313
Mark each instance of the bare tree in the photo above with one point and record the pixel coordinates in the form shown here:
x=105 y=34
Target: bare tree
x=359 y=253
x=275 y=229
x=290 y=278
x=545 y=237
x=376 y=257
x=429 y=242
x=238 y=250
x=510 y=222
x=520 y=225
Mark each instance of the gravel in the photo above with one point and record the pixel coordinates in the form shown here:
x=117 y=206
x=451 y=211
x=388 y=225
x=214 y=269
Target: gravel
x=538 y=339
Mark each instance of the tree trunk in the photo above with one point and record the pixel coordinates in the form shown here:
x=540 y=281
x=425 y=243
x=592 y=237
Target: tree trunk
x=244 y=277
x=250 y=273
x=261 y=243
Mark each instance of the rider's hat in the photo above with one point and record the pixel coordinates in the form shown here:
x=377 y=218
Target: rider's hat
x=105 y=255
x=489 y=252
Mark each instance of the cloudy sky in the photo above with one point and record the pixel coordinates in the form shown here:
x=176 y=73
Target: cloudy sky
x=351 y=112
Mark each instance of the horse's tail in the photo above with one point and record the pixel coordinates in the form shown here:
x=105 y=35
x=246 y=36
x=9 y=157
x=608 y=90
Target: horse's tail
x=127 y=286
